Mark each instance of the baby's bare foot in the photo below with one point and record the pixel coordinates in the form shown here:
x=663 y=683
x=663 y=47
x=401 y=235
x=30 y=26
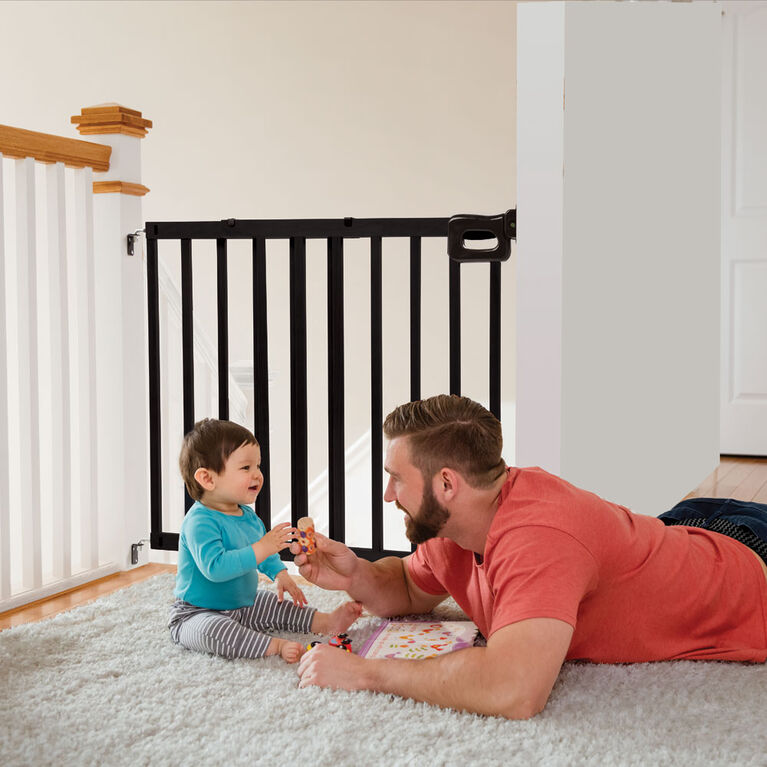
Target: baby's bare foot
x=338 y=621
x=291 y=651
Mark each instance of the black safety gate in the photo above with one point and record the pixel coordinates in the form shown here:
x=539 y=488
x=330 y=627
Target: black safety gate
x=456 y=231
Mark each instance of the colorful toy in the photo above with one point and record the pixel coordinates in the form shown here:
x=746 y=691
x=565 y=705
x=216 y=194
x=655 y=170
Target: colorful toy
x=341 y=641
x=306 y=538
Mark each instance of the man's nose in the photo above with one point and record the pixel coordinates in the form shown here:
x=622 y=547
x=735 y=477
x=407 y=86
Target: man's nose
x=389 y=495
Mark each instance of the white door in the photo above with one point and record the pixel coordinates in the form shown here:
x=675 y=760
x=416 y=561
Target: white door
x=744 y=229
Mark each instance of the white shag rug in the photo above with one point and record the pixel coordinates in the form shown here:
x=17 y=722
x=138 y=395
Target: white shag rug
x=103 y=684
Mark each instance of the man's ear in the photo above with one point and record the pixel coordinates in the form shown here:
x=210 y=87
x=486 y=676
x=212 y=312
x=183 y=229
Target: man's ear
x=205 y=478
x=446 y=484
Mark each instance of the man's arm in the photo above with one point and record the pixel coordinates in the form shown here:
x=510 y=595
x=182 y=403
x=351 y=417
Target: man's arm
x=384 y=587
x=511 y=677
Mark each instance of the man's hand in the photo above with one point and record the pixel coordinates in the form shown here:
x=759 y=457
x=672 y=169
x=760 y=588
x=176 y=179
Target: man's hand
x=326 y=666
x=285 y=582
x=277 y=539
x=331 y=567
x=384 y=587
x=511 y=677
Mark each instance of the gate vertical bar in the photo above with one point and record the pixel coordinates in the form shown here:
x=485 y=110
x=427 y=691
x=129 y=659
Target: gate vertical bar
x=187 y=331
x=376 y=393
x=455 y=326
x=336 y=468
x=415 y=318
x=187 y=343
x=223 y=330
x=495 y=339
x=299 y=472
x=261 y=378
x=155 y=436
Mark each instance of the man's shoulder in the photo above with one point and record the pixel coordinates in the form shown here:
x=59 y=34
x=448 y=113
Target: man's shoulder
x=540 y=506
x=533 y=493
x=529 y=479
x=534 y=498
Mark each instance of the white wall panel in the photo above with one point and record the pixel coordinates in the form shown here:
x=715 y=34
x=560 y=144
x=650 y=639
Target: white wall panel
x=744 y=229
x=638 y=194
x=749 y=311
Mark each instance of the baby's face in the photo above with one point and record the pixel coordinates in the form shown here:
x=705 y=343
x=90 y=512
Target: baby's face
x=241 y=480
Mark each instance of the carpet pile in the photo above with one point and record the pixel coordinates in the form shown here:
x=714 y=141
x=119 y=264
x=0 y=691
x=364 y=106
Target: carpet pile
x=104 y=685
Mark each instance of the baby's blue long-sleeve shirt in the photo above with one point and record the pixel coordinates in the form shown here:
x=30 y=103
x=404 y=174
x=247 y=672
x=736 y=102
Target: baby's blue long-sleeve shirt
x=217 y=567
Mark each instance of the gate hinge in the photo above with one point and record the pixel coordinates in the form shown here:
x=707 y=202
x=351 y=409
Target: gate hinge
x=132 y=240
x=134 y=550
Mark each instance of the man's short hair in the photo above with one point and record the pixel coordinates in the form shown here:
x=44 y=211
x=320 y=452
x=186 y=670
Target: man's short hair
x=453 y=432
x=208 y=445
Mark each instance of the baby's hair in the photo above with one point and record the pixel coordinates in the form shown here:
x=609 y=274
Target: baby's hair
x=208 y=446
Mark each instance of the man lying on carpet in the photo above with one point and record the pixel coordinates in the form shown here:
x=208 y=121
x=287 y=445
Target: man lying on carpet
x=547 y=571
x=223 y=546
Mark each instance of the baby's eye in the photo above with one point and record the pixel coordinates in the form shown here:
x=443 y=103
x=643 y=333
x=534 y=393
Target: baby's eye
x=245 y=468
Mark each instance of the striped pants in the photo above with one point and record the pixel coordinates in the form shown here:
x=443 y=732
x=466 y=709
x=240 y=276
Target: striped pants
x=236 y=633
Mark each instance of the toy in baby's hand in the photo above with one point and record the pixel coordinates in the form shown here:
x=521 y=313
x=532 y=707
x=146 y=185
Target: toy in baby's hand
x=341 y=641
x=306 y=539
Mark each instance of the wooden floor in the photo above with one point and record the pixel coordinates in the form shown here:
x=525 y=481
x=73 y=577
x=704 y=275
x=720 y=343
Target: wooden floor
x=736 y=477
x=742 y=478
x=45 y=608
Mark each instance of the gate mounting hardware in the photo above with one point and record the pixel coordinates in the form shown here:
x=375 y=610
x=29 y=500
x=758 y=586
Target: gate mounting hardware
x=502 y=228
x=134 y=550
x=132 y=240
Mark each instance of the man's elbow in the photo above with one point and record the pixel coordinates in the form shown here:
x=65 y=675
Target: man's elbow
x=522 y=706
x=524 y=710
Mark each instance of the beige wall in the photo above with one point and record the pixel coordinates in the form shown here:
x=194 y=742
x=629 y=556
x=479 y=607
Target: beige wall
x=299 y=109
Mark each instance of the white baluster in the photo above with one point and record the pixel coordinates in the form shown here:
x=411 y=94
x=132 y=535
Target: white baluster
x=5 y=510
x=88 y=448
x=60 y=390
x=28 y=376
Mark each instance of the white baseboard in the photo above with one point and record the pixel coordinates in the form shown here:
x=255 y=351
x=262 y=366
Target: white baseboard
x=56 y=587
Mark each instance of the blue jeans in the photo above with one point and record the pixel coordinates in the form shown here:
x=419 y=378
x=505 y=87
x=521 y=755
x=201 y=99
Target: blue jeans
x=748 y=514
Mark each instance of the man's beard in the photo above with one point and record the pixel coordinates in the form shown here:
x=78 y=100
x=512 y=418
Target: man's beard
x=427 y=521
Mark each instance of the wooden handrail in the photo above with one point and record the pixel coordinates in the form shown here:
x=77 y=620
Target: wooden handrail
x=75 y=153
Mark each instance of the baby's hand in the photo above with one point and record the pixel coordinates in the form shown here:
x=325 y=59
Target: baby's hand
x=291 y=651
x=287 y=650
x=277 y=539
x=285 y=583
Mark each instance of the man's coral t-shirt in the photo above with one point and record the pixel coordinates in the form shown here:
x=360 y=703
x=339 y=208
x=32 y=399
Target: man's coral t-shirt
x=632 y=588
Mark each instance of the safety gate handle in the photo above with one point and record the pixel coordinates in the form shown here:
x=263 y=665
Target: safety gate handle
x=463 y=227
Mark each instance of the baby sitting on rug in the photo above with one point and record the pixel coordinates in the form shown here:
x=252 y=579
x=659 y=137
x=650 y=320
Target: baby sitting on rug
x=224 y=545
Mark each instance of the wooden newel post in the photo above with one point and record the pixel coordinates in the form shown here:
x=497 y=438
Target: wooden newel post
x=121 y=334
